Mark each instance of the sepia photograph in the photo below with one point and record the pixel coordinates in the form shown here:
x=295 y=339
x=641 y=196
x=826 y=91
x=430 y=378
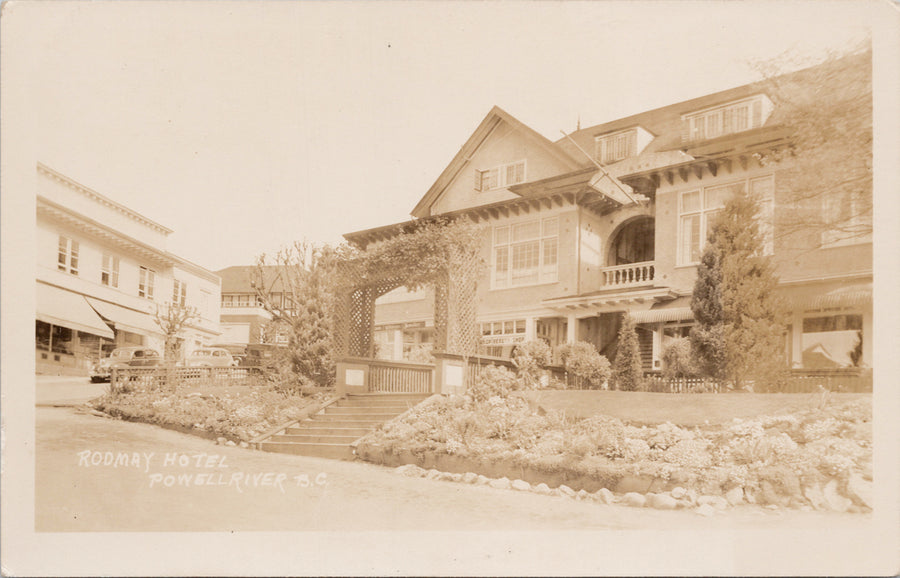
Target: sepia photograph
x=449 y=288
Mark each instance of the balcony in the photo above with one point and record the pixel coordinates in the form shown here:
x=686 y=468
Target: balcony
x=631 y=275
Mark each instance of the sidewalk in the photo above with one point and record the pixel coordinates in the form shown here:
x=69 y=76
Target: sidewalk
x=63 y=391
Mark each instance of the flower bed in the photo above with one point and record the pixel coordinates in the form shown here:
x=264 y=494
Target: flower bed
x=237 y=413
x=796 y=460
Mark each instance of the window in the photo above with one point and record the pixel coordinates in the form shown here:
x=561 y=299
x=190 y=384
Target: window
x=179 y=293
x=500 y=177
x=503 y=332
x=832 y=341
x=67 y=258
x=146 y=281
x=848 y=217
x=526 y=253
x=730 y=118
x=616 y=147
x=109 y=270
x=698 y=208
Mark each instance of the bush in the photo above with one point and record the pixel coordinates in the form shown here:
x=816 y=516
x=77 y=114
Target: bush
x=583 y=361
x=628 y=372
x=677 y=360
x=530 y=358
x=493 y=381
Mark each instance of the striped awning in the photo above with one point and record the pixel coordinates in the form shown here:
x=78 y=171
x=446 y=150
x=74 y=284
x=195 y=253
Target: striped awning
x=854 y=295
x=67 y=309
x=126 y=319
x=675 y=310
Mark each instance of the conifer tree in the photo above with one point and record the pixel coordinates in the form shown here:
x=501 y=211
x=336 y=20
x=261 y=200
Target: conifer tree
x=739 y=332
x=627 y=369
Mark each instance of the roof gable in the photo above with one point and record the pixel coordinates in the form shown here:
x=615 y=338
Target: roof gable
x=496 y=120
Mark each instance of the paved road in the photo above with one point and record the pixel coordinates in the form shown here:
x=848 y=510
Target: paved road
x=80 y=487
x=59 y=391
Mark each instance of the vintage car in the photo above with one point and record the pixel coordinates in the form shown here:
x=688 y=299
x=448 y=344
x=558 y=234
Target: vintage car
x=124 y=357
x=209 y=357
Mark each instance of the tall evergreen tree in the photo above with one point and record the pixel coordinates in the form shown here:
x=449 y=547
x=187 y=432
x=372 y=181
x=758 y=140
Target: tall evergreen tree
x=739 y=332
x=627 y=369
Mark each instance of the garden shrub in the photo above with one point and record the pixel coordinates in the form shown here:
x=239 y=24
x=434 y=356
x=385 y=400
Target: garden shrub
x=493 y=381
x=530 y=358
x=627 y=370
x=677 y=360
x=582 y=360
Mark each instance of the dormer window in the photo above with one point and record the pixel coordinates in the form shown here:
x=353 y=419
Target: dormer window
x=730 y=118
x=617 y=146
x=500 y=177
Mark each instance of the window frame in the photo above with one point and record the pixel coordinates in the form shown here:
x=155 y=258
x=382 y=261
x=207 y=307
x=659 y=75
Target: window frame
x=146 y=282
x=697 y=124
x=502 y=177
x=179 y=292
x=505 y=253
x=624 y=139
x=109 y=270
x=704 y=213
x=67 y=254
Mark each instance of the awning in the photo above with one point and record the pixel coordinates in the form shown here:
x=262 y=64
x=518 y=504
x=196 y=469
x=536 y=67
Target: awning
x=66 y=309
x=126 y=319
x=851 y=295
x=676 y=310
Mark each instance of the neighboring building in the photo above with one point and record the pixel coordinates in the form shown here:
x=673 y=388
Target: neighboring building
x=102 y=271
x=244 y=321
x=570 y=248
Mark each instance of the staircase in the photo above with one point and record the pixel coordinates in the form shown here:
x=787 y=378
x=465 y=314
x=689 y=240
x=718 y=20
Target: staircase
x=329 y=433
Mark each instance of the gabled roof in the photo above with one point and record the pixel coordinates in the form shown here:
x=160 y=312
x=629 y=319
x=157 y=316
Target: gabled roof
x=482 y=132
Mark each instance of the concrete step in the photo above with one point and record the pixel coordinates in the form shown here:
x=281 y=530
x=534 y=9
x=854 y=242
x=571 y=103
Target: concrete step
x=332 y=422
x=378 y=402
x=359 y=415
x=419 y=396
x=387 y=409
x=356 y=432
x=332 y=451
x=314 y=439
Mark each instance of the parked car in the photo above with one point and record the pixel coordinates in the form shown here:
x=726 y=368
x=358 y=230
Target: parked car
x=209 y=357
x=124 y=357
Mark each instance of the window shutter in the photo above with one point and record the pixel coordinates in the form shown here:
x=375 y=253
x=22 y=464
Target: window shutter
x=477 y=180
x=727 y=121
x=631 y=144
x=685 y=130
x=757 y=114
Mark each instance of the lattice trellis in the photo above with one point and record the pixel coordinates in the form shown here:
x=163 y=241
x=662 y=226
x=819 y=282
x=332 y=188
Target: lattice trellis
x=455 y=303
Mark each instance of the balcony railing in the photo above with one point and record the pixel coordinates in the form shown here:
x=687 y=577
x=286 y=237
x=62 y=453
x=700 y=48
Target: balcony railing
x=632 y=275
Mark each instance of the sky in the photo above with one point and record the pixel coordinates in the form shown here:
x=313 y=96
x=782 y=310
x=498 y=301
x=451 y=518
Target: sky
x=246 y=126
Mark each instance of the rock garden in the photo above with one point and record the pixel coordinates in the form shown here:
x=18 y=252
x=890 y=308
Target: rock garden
x=813 y=455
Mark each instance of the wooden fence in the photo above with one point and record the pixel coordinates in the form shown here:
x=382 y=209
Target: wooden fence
x=399 y=377
x=168 y=377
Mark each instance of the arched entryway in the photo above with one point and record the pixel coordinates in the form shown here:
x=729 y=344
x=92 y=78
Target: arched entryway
x=633 y=243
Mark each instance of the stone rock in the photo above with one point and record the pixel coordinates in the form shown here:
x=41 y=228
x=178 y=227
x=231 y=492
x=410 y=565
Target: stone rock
x=410 y=470
x=717 y=502
x=685 y=503
x=692 y=495
x=432 y=474
x=230 y=443
x=566 y=491
x=634 y=500
x=245 y=445
x=735 y=496
x=456 y=477
x=482 y=480
x=220 y=441
x=582 y=495
x=604 y=496
x=834 y=499
x=860 y=490
x=813 y=493
x=678 y=493
x=521 y=485
x=501 y=484
x=543 y=489
x=768 y=495
x=661 y=501
x=470 y=477
x=750 y=496
x=705 y=510
x=446 y=477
